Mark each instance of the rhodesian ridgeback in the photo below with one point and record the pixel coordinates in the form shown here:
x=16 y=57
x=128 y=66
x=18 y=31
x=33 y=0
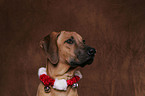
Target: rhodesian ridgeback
x=65 y=52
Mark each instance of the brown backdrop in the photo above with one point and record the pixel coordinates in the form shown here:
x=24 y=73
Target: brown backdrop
x=114 y=27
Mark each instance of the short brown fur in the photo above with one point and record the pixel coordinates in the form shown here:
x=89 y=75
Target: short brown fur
x=61 y=70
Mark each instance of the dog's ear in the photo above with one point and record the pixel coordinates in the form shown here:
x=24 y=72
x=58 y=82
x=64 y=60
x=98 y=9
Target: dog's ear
x=49 y=45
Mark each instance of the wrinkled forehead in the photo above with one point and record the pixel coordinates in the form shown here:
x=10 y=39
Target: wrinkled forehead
x=64 y=35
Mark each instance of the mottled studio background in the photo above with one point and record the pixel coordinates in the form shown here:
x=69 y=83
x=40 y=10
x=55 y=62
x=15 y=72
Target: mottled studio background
x=116 y=28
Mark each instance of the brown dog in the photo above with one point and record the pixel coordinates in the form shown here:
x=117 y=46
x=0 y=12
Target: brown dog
x=65 y=51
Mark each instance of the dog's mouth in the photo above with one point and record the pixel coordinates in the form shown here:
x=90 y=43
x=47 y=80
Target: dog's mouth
x=70 y=69
x=89 y=61
x=74 y=64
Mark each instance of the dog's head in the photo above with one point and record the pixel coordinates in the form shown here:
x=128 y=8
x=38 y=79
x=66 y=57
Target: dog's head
x=68 y=48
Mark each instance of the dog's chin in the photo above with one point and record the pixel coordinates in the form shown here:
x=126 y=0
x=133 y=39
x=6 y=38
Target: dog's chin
x=81 y=64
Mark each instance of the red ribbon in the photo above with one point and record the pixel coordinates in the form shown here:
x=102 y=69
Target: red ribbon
x=73 y=80
x=46 y=80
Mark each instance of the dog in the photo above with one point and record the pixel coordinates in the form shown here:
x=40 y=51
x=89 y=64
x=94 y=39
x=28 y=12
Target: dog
x=66 y=52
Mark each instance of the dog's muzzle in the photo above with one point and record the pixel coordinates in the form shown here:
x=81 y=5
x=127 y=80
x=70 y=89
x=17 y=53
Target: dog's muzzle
x=85 y=56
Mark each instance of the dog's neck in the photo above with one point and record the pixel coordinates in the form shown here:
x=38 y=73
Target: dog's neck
x=62 y=71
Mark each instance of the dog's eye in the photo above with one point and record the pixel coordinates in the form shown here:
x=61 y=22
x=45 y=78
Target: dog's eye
x=69 y=41
x=84 y=41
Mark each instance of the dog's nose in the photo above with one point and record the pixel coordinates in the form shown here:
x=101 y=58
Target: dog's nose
x=91 y=51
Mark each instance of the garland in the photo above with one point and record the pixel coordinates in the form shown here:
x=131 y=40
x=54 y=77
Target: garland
x=61 y=84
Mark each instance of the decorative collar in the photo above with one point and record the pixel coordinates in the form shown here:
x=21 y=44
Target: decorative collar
x=59 y=84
